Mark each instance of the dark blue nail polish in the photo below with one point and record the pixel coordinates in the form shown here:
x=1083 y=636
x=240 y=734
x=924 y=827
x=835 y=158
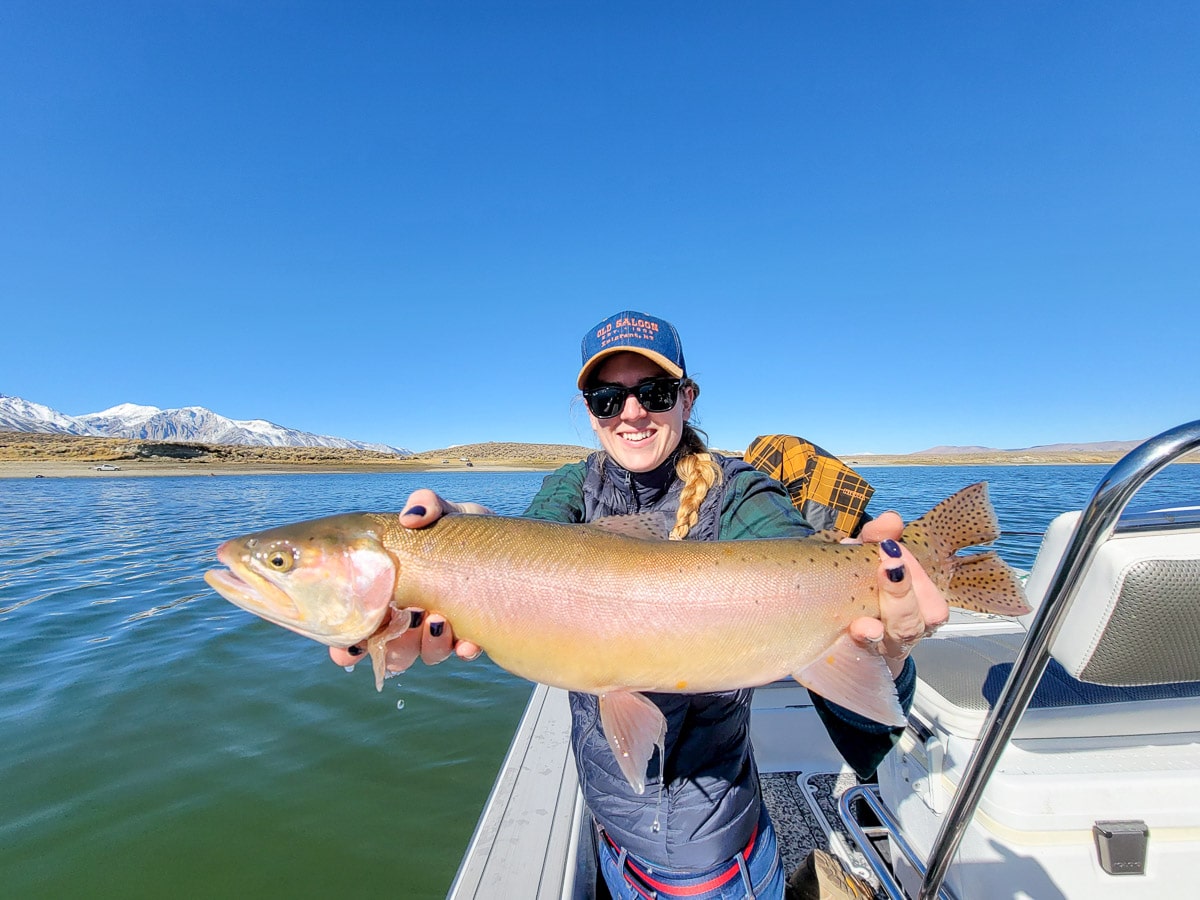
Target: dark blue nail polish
x=415 y=617
x=435 y=628
x=355 y=651
x=891 y=548
x=896 y=575
x=414 y=511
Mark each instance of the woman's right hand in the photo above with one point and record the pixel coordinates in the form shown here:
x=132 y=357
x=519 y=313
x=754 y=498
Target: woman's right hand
x=431 y=638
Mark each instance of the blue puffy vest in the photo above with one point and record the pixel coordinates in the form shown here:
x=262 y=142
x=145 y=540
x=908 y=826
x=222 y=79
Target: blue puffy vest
x=711 y=800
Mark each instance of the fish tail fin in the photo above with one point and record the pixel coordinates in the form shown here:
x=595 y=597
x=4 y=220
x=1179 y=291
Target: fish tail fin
x=980 y=582
x=984 y=583
x=964 y=519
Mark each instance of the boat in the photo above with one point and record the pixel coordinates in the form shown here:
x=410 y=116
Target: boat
x=1054 y=757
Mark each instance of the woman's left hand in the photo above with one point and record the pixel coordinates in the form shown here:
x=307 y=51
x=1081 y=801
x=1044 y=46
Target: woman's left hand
x=910 y=607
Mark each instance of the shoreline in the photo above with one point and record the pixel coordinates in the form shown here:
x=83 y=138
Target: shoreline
x=37 y=455
x=150 y=468
x=174 y=468
x=30 y=455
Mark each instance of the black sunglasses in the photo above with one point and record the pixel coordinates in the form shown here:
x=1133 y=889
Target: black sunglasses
x=658 y=395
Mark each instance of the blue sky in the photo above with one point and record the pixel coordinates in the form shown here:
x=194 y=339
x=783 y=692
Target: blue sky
x=881 y=226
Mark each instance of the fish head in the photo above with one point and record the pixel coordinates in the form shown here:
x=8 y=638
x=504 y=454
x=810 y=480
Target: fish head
x=328 y=579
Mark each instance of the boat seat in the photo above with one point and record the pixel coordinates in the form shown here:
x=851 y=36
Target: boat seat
x=1136 y=617
x=959 y=680
x=1125 y=661
x=1093 y=793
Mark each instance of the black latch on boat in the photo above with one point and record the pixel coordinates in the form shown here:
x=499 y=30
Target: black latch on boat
x=1121 y=846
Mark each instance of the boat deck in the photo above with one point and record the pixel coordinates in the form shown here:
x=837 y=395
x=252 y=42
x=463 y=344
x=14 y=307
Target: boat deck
x=526 y=840
x=526 y=843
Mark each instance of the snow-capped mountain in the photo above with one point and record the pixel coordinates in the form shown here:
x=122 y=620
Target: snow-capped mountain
x=191 y=423
x=21 y=415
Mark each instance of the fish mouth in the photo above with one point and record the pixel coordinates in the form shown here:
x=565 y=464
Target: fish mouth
x=255 y=594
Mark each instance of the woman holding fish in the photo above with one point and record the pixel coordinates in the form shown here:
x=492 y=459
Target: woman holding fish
x=692 y=822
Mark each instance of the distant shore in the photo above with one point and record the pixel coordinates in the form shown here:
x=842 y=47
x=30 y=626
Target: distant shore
x=58 y=468
x=25 y=455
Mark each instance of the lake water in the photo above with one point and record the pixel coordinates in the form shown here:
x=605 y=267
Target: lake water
x=156 y=741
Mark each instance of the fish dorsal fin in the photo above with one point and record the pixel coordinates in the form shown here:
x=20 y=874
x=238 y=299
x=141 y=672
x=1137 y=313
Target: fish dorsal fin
x=647 y=526
x=634 y=726
x=852 y=677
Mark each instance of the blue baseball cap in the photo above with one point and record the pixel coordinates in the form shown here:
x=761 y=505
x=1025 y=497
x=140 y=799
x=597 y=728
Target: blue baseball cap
x=633 y=332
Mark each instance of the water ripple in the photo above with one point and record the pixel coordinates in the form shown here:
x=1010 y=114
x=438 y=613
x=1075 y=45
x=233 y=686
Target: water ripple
x=142 y=713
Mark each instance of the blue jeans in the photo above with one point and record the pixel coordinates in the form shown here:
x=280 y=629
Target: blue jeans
x=757 y=876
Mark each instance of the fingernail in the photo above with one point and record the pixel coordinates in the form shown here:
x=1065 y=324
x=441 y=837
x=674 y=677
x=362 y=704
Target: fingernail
x=435 y=628
x=414 y=511
x=414 y=617
x=355 y=651
x=892 y=549
x=896 y=575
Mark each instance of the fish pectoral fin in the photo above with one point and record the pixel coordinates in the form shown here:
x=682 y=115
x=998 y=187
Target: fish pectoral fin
x=634 y=726
x=852 y=677
x=377 y=643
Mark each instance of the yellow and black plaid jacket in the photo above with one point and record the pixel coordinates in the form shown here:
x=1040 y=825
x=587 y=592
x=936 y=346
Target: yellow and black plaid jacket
x=826 y=491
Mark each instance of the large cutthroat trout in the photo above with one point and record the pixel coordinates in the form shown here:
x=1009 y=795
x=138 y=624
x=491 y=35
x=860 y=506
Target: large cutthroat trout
x=592 y=608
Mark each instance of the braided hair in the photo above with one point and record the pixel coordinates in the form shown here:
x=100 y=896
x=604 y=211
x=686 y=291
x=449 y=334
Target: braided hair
x=698 y=471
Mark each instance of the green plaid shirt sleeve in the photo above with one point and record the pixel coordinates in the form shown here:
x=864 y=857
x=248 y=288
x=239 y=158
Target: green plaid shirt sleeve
x=757 y=506
x=560 y=498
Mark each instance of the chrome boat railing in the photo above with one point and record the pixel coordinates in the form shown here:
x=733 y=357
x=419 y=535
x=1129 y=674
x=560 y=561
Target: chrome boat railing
x=1095 y=525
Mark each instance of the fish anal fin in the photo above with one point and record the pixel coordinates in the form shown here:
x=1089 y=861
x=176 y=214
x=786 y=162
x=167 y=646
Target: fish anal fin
x=984 y=583
x=850 y=676
x=634 y=726
x=647 y=526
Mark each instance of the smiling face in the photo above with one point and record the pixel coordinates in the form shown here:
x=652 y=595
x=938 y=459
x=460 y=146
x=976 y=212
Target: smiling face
x=638 y=440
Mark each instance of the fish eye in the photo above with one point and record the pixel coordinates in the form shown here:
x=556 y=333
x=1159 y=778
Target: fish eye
x=281 y=559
